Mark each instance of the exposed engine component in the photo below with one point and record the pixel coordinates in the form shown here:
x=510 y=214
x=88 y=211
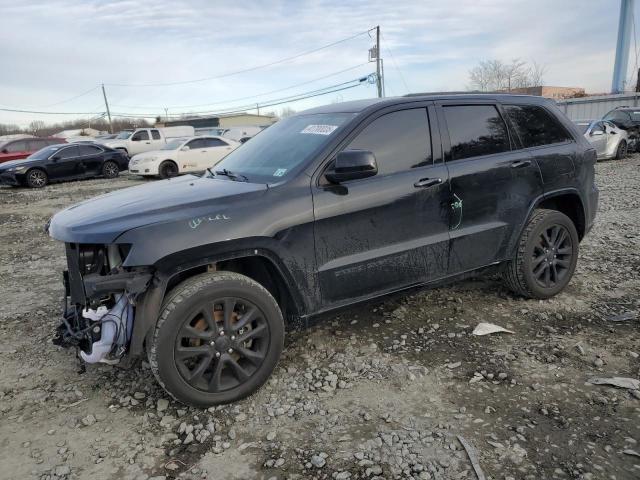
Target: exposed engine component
x=113 y=326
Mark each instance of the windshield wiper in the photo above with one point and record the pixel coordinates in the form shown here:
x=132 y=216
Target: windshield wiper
x=238 y=177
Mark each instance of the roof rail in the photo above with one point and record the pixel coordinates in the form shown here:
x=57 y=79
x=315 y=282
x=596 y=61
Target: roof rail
x=420 y=94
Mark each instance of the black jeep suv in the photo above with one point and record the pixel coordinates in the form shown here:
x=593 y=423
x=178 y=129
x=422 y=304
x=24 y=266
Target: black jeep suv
x=330 y=207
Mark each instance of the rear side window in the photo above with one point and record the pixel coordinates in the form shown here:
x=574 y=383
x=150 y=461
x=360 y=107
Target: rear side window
x=535 y=126
x=214 y=142
x=475 y=130
x=89 y=150
x=399 y=140
x=155 y=134
x=35 y=145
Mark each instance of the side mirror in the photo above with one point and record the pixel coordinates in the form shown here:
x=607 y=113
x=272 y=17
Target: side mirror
x=55 y=158
x=4 y=150
x=597 y=132
x=186 y=148
x=353 y=165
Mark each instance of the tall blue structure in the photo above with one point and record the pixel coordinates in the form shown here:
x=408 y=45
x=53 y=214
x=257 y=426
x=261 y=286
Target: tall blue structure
x=622 y=47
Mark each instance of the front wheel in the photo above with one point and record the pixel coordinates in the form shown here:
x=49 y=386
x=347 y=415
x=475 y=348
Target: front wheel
x=37 y=178
x=168 y=169
x=110 y=169
x=546 y=256
x=218 y=338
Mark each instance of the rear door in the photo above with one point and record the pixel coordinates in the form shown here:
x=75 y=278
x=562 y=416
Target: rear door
x=90 y=160
x=156 y=139
x=15 y=150
x=492 y=182
x=214 y=150
x=389 y=231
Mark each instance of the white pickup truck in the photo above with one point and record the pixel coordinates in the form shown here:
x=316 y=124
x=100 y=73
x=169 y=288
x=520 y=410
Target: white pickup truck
x=146 y=139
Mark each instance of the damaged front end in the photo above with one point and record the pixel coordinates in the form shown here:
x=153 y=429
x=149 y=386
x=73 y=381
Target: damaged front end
x=100 y=300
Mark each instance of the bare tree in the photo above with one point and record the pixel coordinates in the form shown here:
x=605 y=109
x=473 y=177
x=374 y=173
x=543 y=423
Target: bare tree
x=286 y=112
x=36 y=127
x=490 y=75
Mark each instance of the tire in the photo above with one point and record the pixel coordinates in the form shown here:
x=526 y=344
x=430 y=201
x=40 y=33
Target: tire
x=168 y=169
x=36 y=178
x=527 y=276
x=110 y=169
x=192 y=356
x=621 y=151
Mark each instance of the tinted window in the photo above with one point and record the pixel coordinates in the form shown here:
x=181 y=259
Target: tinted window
x=475 y=130
x=142 y=135
x=535 y=126
x=89 y=150
x=155 y=134
x=617 y=115
x=20 y=146
x=68 y=152
x=35 y=145
x=197 y=143
x=214 y=142
x=399 y=140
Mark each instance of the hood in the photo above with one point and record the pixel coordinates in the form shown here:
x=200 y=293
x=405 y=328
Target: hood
x=102 y=219
x=152 y=153
x=23 y=162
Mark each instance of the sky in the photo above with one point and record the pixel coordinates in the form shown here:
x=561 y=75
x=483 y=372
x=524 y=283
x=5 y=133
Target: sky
x=56 y=50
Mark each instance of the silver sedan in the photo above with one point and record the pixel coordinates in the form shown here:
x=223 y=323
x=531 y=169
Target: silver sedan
x=608 y=140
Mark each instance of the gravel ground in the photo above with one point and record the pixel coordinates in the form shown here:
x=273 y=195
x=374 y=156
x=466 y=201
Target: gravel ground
x=383 y=390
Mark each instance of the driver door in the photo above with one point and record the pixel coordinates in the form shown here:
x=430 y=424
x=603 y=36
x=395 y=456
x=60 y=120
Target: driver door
x=598 y=138
x=389 y=231
x=64 y=163
x=140 y=142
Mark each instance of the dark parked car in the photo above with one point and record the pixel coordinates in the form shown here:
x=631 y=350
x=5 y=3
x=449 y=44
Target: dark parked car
x=324 y=209
x=63 y=162
x=23 y=147
x=627 y=118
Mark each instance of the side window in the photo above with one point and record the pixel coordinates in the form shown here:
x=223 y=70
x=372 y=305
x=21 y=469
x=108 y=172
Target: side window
x=535 y=126
x=399 y=140
x=214 y=142
x=89 y=150
x=475 y=130
x=20 y=146
x=35 y=145
x=155 y=134
x=67 y=152
x=141 y=135
x=196 y=143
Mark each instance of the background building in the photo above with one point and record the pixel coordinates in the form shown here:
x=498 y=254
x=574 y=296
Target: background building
x=221 y=121
x=551 y=92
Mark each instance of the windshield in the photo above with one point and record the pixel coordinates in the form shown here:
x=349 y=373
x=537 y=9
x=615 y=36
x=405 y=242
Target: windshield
x=45 y=152
x=124 y=135
x=283 y=147
x=174 y=144
x=582 y=126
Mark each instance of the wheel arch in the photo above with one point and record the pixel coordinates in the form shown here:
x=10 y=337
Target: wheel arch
x=260 y=265
x=567 y=201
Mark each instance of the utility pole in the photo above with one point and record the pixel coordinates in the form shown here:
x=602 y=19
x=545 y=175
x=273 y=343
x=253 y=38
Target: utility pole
x=384 y=90
x=258 y=108
x=106 y=104
x=379 y=80
x=622 y=46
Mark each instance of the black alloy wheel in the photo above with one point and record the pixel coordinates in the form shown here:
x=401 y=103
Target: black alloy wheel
x=221 y=344
x=218 y=339
x=552 y=256
x=110 y=169
x=168 y=169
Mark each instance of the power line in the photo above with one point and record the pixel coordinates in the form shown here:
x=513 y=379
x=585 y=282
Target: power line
x=251 y=106
x=393 y=59
x=264 y=105
x=15 y=110
x=250 y=69
x=248 y=97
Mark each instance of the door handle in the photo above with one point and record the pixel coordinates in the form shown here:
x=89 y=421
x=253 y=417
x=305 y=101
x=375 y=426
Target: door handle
x=427 y=182
x=148 y=143
x=520 y=163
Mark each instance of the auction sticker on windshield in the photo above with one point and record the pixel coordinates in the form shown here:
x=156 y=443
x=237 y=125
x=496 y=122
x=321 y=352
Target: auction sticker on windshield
x=319 y=129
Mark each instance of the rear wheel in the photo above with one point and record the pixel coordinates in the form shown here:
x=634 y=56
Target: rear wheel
x=546 y=257
x=168 y=169
x=218 y=338
x=621 y=151
x=110 y=169
x=37 y=178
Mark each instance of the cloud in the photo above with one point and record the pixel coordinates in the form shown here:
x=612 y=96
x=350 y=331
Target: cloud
x=53 y=50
